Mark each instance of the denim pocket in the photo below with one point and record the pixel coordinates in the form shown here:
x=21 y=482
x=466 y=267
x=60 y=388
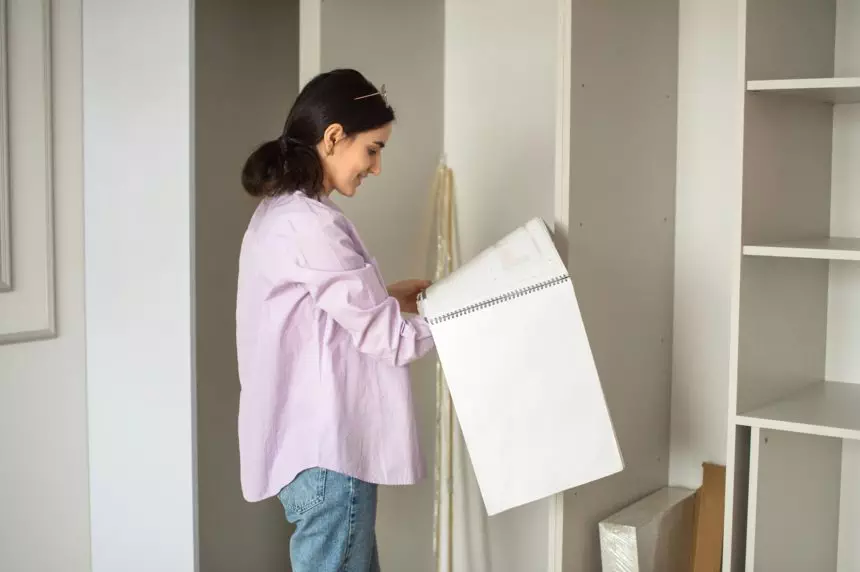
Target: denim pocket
x=305 y=492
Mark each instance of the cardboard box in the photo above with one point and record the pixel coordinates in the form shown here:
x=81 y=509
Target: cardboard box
x=710 y=505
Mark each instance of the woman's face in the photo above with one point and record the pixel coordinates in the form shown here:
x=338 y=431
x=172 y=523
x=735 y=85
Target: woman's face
x=347 y=160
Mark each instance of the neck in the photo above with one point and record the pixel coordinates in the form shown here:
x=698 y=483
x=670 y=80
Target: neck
x=327 y=187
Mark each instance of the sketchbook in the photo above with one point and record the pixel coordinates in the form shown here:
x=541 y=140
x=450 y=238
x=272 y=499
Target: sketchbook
x=520 y=371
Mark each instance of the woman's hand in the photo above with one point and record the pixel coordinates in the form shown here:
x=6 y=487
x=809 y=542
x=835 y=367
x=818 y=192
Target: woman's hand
x=406 y=293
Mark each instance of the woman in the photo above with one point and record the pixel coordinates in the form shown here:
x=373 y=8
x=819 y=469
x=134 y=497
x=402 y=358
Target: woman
x=325 y=413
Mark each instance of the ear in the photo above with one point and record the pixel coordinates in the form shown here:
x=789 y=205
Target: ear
x=332 y=135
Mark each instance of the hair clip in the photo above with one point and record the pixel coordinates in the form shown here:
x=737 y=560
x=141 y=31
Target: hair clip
x=381 y=93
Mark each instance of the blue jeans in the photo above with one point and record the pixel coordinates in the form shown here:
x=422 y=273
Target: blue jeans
x=335 y=518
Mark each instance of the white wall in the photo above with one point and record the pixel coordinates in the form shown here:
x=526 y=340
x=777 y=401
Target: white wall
x=139 y=301
x=44 y=521
x=246 y=78
x=707 y=232
x=500 y=116
x=624 y=64
x=398 y=44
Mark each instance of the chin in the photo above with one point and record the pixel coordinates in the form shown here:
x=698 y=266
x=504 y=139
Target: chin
x=347 y=190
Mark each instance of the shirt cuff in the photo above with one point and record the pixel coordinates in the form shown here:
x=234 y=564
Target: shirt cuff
x=422 y=334
x=421 y=327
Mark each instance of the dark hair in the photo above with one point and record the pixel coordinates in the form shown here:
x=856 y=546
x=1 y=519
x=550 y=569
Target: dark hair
x=291 y=162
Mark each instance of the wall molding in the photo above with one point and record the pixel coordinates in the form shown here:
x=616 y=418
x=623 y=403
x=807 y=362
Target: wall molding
x=5 y=203
x=45 y=328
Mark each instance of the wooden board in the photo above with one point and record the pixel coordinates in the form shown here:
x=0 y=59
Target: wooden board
x=708 y=532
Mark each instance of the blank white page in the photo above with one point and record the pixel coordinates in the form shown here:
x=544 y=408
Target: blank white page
x=524 y=257
x=525 y=388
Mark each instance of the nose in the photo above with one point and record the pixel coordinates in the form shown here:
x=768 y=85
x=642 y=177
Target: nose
x=376 y=166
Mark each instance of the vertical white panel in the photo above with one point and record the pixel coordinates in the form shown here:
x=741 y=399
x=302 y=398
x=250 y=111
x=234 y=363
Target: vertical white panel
x=310 y=39
x=500 y=140
x=843 y=335
x=561 y=208
x=843 y=331
x=707 y=232
x=138 y=194
x=5 y=214
x=500 y=120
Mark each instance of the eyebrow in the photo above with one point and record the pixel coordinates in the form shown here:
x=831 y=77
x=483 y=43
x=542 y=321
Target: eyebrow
x=380 y=143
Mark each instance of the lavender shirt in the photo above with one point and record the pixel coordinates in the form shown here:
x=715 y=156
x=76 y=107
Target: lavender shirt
x=323 y=353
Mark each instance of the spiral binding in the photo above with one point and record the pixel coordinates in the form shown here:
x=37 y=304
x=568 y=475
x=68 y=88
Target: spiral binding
x=506 y=297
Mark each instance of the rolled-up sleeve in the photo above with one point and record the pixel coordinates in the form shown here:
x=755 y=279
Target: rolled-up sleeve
x=327 y=262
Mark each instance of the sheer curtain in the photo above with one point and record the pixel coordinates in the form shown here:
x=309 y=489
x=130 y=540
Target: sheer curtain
x=461 y=542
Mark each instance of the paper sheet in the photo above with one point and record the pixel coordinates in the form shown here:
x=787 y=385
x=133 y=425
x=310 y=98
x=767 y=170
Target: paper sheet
x=521 y=374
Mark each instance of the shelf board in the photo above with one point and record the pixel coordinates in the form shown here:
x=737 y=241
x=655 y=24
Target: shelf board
x=831 y=90
x=826 y=408
x=834 y=248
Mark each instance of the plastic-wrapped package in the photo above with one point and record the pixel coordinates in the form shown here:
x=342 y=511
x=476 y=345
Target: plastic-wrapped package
x=654 y=534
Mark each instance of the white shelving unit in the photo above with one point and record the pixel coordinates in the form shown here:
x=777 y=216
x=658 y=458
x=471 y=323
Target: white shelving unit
x=794 y=436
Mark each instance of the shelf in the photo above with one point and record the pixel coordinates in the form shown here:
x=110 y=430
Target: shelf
x=829 y=409
x=832 y=90
x=836 y=248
